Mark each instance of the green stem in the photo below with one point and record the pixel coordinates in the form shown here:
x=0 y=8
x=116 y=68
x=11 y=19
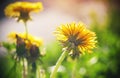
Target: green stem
x=32 y=70
x=74 y=68
x=38 y=72
x=58 y=63
x=26 y=30
x=24 y=69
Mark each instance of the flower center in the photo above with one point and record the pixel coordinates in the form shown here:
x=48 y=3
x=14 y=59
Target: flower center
x=24 y=15
x=73 y=39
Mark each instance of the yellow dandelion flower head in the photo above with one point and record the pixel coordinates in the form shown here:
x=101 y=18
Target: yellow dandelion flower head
x=12 y=35
x=31 y=40
x=76 y=38
x=21 y=10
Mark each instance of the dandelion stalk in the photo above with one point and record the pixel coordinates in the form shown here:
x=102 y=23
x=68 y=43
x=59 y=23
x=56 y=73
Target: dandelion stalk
x=32 y=69
x=58 y=64
x=38 y=72
x=26 y=30
x=24 y=68
x=74 y=68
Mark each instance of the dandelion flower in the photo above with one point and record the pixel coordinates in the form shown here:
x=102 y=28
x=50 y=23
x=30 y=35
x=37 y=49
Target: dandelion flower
x=76 y=38
x=26 y=47
x=21 y=10
x=30 y=40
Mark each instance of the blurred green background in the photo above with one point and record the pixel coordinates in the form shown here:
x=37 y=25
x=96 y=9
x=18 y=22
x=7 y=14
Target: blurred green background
x=104 y=62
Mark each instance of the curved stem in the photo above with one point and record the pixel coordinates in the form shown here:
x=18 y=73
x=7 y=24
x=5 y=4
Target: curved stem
x=58 y=63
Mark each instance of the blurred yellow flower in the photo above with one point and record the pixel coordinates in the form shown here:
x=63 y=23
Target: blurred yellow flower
x=21 y=10
x=76 y=38
x=31 y=40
